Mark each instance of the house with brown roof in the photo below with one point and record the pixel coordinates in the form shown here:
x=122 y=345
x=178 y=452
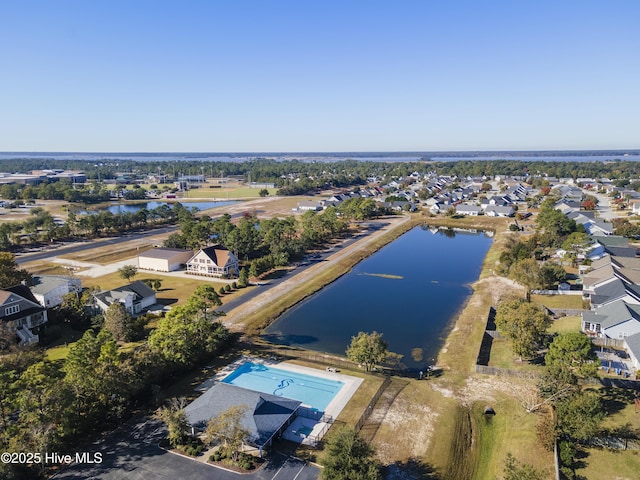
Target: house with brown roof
x=213 y=262
x=22 y=313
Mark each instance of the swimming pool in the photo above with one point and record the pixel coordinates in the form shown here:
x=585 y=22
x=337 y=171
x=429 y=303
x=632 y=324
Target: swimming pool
x=315 y=392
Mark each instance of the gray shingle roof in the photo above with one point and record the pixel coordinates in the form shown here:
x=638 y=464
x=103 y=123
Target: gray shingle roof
x=613 y=314
x=263 y=418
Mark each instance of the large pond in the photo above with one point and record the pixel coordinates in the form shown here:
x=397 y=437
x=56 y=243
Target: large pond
x=134 y=207
x=410 y=291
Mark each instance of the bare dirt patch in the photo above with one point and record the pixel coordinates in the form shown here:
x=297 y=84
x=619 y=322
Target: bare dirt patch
x=408 y=427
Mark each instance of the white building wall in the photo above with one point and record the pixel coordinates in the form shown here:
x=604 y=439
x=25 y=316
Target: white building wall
x=154 y=264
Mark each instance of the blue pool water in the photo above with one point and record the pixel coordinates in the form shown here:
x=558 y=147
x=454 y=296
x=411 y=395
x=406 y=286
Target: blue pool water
x=313 y=391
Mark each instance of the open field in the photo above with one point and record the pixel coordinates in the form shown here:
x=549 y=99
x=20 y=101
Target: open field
x=231 y=192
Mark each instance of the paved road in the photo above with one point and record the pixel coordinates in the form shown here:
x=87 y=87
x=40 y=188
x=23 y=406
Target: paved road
x=308 y=262
x=78 y=247
x=131 y=453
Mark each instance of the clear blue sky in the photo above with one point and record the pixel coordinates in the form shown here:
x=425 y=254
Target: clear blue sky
x=318 y=75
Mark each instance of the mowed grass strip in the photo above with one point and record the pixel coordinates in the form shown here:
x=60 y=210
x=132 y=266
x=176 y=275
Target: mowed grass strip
x=510 y=430
x=570 y=302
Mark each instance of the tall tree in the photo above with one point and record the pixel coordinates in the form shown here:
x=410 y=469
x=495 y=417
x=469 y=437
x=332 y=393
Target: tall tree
x=367 y=349
x=350 y=457
x=525 y=324
x=121 y=324
x=10 y=274
x=128 y=272
x=175 y=419
x=227 y=429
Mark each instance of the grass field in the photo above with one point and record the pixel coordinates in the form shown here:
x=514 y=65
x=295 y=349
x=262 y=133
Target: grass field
x=565 y=324
x=572 y=302
x=231 y=192
x=611 y=464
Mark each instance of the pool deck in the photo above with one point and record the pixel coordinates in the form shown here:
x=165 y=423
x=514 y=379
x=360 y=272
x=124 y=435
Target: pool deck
x=339 y=401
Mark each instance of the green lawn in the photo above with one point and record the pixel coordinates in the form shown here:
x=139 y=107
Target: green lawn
x=233 y=192
x=565 y=324
x=502 y=357
x=573 y=302
x=510 y=430
x=613 y=464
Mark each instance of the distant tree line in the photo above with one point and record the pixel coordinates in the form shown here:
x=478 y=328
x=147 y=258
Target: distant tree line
x=40 y=226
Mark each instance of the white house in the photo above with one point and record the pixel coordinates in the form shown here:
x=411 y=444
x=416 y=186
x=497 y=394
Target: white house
x=22 y=313
x=164 y=259
x=213 y=262
x=470 y=210
x=498 y=211
x=135 y=297
x=49 y=289
x=632 y=344
x=305 y=206
x=614 y=320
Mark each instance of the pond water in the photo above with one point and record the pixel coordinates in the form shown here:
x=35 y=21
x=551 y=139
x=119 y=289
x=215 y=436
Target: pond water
x=410 y=291
x=134 y=207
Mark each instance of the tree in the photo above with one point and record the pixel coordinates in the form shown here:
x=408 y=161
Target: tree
x=350 y=457
x=205 y=298
x=367 y=349
x=514 y=470
x=525 y=324
x=573 y=351
x=579 y=416
x=184 y=336
x=121 y=324
x=227 y=429
x=175 y=419
x=10 y=274
x=243 y=278
x=128 y=272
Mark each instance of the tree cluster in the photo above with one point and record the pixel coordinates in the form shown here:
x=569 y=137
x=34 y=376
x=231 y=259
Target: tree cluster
x=46 y=406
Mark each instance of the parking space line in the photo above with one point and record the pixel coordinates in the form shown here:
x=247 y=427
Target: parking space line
x=299 y=472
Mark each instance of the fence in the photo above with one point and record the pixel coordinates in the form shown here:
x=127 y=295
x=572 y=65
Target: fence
x=556 y=292
x=314 y=415
x=367 y=411
x=505 y=371
x=614 y=443
x=607 y=342
x=556 y=312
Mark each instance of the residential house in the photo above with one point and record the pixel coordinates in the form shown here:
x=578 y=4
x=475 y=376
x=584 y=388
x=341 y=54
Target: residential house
x=496 y=211
x=22 y=313
x=615 y=320
x=49 y=289
x=135 y=297
x=470 y=210
x=632 y=344
x=164 y=259
x=309 y=205
x=213 y=262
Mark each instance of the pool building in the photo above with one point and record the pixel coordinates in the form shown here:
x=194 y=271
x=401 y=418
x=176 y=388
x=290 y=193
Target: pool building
x=292 y=402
